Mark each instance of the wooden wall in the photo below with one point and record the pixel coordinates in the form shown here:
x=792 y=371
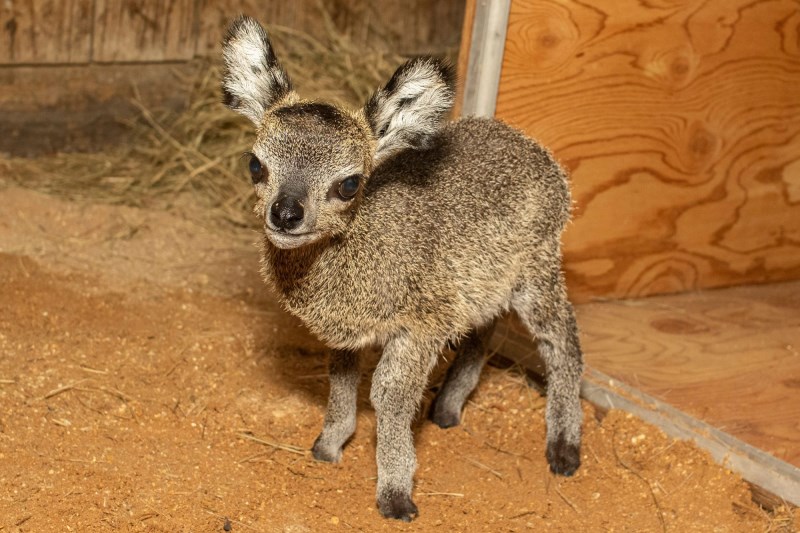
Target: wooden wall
x=411 y=27
x=45 y=31
x=680 y=124
x=111 y=31
x=67 y=67
x=144 y=30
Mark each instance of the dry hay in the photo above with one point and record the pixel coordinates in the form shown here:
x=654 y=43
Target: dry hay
x=192 y=159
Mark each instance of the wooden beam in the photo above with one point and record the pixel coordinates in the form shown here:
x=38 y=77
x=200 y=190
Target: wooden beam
x=726 y=361
x=605 y=393
x=778 y=479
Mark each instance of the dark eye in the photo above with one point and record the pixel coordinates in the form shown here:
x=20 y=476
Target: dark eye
x=256 y=170
x=349 y=187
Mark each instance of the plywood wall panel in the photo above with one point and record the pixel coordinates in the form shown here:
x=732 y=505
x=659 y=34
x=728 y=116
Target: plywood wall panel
x=680 y=124
x=144 y=30
x=45 y=31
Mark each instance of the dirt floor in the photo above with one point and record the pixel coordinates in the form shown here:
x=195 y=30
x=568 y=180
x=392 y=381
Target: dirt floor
x=149 y=382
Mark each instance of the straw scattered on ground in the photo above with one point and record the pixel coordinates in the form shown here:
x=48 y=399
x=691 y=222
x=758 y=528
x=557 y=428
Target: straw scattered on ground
x=175 y=160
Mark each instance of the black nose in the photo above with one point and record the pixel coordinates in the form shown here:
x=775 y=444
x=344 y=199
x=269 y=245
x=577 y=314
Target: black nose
x=286 y=213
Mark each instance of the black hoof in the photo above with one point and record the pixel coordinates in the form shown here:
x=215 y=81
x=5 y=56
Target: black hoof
x=323 y=453
x=442 y=417
x=398 y=506
x=564 y=458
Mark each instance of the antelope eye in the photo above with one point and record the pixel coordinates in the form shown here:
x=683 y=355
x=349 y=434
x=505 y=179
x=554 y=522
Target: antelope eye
x=256 y=170
x=349 y=187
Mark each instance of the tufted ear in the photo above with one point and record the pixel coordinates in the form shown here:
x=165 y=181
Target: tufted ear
x=410 y=109
x=253 y=80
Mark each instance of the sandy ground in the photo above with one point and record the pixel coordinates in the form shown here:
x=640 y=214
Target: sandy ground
x=149 y=382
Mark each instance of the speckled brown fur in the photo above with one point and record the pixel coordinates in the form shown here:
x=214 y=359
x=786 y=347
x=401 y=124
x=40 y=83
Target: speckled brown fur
x=453 y=224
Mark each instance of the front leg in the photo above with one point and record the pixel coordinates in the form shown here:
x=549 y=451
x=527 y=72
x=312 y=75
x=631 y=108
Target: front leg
x=340 y=418
x=397 y=387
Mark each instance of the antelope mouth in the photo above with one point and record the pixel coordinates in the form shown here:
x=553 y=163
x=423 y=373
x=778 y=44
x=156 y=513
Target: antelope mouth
x=287 y=241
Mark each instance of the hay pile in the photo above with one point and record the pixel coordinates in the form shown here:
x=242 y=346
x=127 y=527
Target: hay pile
x=193 y=159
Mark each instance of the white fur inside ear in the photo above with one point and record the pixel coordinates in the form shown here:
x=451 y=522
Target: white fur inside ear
x=409 y=111
x=253 y=80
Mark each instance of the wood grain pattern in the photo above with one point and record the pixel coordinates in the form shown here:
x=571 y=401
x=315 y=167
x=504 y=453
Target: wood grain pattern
x=413 y=27
x=730 y=357
x=680 y=124
x=79 y=31
x=144 y=30
x=45 y=31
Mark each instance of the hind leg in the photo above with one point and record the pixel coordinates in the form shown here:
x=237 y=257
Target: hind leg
x=461 y=378
x=542 y=305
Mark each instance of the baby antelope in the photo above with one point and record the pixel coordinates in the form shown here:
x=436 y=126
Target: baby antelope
x=388 y=225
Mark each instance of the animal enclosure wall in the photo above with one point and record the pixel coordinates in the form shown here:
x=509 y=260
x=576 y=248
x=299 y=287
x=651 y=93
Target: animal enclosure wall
x=82 y=31
x=680 y=125
x=67 y=67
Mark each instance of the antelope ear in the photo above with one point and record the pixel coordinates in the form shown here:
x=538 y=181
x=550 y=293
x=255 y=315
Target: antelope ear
x=253 y=81
x=410 y=109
